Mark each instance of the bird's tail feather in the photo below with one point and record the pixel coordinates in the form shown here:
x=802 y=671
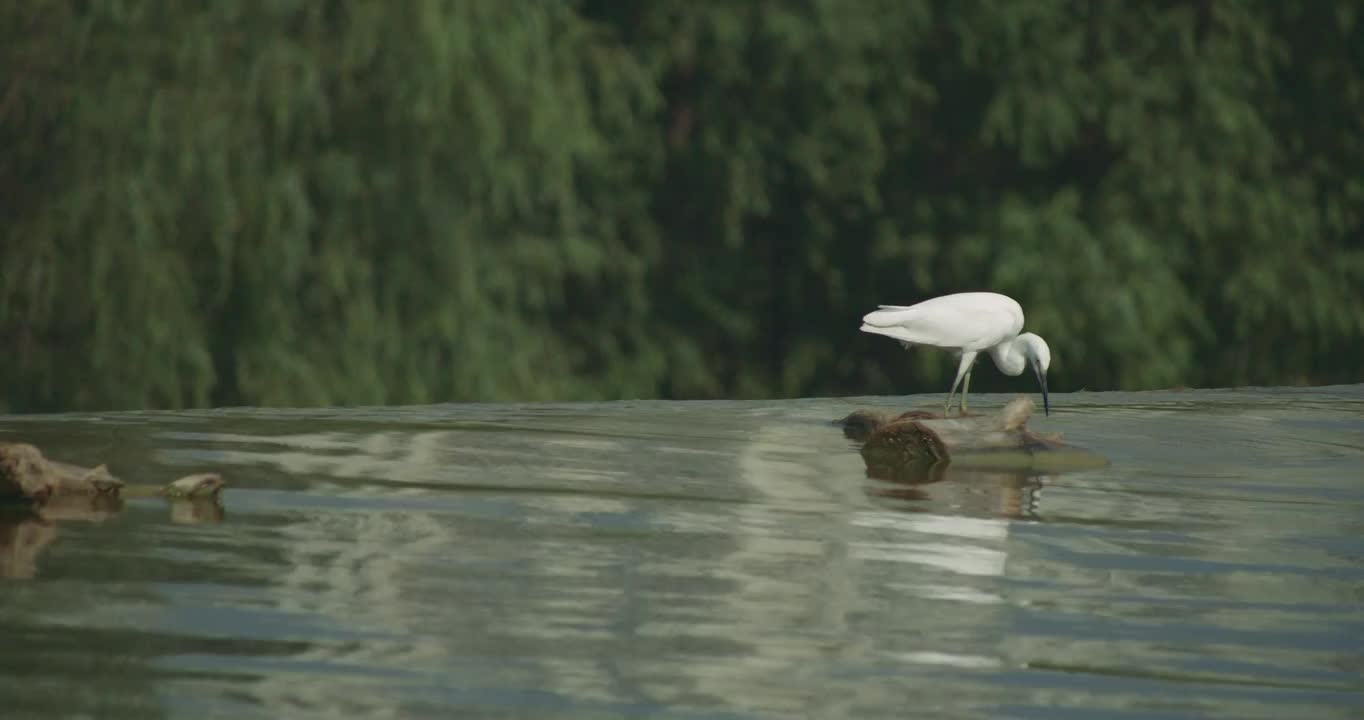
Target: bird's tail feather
x=887 y=316
x=892 y=331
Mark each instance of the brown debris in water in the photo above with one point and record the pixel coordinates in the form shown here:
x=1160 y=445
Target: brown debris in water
x=26 y=475
x=918 y=438
x=38 y=495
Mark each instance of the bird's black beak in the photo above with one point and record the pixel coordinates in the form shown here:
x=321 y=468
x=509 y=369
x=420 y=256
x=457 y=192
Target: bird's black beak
x=1042 y=380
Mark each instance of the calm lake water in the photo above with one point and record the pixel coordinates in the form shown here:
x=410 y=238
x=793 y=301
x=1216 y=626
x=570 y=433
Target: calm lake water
x=697 y=560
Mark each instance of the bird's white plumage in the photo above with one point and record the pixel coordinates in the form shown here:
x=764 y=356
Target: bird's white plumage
x=964 y=321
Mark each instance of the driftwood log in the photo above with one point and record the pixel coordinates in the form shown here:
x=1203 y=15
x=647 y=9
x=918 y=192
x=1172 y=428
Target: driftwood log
x=917 y=445
x=26 y=475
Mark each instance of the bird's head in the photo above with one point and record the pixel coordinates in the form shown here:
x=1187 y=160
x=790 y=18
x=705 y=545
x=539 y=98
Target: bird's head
x=1038 y=356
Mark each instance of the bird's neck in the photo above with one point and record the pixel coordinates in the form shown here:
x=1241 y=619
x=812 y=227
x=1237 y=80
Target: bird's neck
x=1009 y=357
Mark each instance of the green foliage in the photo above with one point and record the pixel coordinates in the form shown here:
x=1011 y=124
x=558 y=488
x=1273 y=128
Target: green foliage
x=284 y=203
x=302 y=203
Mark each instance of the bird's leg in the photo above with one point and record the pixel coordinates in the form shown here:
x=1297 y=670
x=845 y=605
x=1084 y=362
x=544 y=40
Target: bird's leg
x=965 y=388
x=965 y=367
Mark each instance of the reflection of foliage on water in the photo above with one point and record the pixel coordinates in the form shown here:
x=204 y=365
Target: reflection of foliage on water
x=359 y=204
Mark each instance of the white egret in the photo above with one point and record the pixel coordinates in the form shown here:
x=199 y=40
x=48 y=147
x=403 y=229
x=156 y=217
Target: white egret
x=968 y=323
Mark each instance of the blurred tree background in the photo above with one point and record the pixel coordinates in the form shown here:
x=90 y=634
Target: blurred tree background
x=291 y=202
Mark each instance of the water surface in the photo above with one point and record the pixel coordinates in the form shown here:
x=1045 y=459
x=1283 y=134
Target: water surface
x=696 y=560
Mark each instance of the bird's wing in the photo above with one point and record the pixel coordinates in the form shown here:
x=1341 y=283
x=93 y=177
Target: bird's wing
x=973 y=321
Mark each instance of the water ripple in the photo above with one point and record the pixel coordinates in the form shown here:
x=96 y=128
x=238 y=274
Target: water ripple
x=688 y=560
